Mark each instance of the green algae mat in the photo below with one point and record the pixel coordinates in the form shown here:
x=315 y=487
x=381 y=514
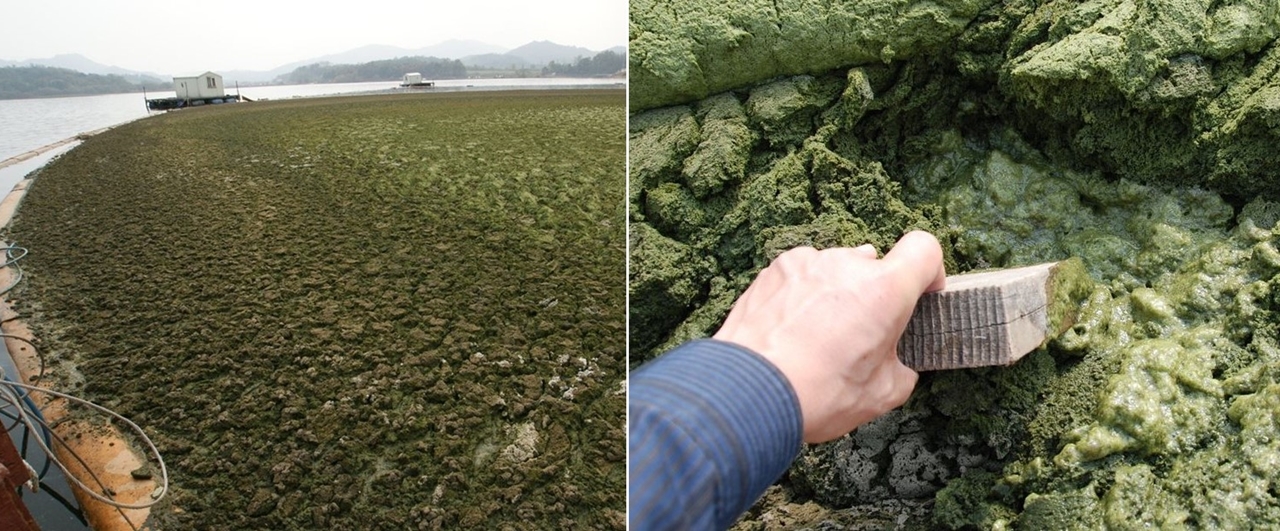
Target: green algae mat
x=1139 y=136
x=380 y=312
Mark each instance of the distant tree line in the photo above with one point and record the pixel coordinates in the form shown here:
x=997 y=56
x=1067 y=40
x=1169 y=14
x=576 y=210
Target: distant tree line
x=387 y=70
x=48 y=82
x=603 y=64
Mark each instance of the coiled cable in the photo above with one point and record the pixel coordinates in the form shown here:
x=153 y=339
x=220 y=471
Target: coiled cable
x=25 y=411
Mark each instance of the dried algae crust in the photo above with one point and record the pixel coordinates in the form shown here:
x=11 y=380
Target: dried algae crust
x=1138 y=136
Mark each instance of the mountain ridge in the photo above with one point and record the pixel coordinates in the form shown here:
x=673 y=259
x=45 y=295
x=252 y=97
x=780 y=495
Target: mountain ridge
x=80 y=63
x=485 y=55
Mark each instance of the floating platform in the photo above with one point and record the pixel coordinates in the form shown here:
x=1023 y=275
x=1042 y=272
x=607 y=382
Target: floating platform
x=168 y=104
x=419 y=85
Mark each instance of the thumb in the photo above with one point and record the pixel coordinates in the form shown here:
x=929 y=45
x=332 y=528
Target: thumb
x=917 y=260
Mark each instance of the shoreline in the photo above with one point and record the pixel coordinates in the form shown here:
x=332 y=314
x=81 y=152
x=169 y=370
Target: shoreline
x=28 y=155
x=103 y=453
x=621 y=85
x=620 y=81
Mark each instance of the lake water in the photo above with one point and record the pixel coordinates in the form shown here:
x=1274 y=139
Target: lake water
x=29 y=124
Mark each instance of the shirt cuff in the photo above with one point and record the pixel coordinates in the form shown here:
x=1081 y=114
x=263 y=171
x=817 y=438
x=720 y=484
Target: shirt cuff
x=734 y=407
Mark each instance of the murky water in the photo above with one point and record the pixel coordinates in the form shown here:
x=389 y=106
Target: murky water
x=29 y=124
x=52 y=505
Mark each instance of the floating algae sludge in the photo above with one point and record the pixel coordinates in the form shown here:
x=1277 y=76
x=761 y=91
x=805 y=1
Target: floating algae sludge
x=375 y=312
x=1138 y=136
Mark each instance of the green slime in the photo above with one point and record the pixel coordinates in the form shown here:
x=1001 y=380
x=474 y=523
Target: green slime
x=1136 y=135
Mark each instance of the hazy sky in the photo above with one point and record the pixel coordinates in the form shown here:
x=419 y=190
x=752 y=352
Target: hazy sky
x=177 y=37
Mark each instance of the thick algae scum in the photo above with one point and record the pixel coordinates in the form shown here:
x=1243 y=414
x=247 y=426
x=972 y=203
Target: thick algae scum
x=375 y=312
x=1138 y=136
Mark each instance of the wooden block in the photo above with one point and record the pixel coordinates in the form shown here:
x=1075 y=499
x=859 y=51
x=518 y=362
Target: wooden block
x=993 y=317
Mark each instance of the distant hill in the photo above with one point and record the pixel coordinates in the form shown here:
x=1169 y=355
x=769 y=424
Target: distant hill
x=494 y=60
x=259 y=76
x=388 y=70
x=534 y=54
x=80 y=63
x=543 y=52
x=472 y=53
x=450 y=49
x=605 y=63
x=46 y=82
x=364 y=54
x=457 y=49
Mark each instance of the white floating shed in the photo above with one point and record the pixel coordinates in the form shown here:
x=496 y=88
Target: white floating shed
x=206 y=85
x=412 y=78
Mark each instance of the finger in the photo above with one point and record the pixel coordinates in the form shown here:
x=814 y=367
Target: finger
x=843 y=254
x=917 y=259
x=794 y=255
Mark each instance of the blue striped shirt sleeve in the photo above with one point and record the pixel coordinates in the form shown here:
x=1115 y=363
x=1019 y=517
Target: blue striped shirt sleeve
x=710 y=426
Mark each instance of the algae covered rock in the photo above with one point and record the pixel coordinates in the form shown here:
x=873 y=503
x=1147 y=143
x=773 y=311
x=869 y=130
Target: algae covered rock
x=892 y=457
x=784 y=110
x=721 y=157
x=658 y=144
x=663 y=285
x=1174 y=91
x=682 y=51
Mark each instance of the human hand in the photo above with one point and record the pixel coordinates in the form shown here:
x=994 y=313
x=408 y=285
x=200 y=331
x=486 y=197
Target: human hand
x=830 y=321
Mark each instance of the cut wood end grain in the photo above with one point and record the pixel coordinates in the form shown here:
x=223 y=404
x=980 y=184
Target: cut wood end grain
x=993 y=317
